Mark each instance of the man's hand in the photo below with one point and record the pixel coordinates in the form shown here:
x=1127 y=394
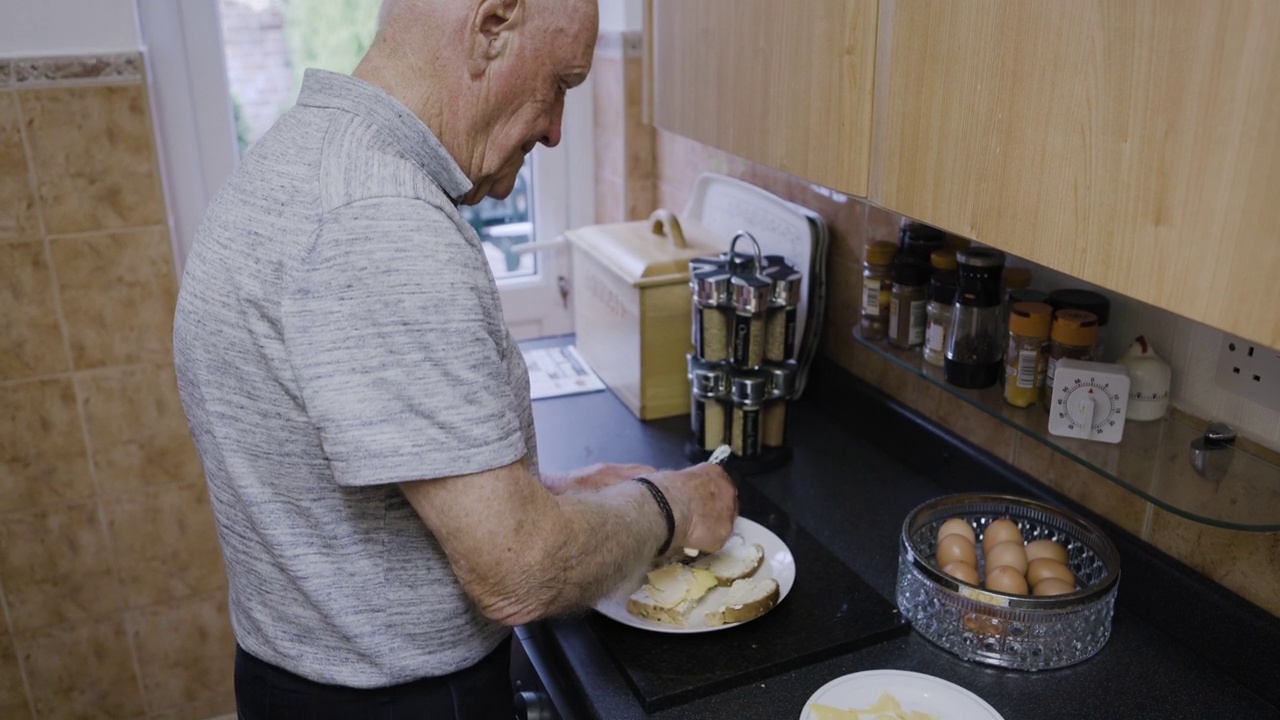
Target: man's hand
x=705 y=502
x=594 y=477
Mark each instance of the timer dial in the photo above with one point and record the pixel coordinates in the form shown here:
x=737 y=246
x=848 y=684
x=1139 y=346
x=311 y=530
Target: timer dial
x=1089 y=400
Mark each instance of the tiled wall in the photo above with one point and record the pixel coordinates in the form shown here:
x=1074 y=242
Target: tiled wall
x=111 y=580
x=623 y=144
x=1245 y=562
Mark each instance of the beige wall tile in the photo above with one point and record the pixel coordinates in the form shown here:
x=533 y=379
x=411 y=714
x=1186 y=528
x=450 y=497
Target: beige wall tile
x=166 y=547
x=974 y=425
x=1247 y=563
x=42 y=455
x=118 y=295
x=56 y=569
x=186 y=655
x=886 y=375
x=610 y=200
x=82 y=671
x=843 y=288
x=1081 y=484
x=93 y=151
x=137 y=429
x=18 y=217
x=13 y=695
x=30 y=336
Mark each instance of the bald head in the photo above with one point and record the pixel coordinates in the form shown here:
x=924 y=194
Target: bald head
x=487 y=76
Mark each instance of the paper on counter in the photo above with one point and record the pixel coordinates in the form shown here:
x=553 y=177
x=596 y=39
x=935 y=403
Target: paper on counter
x=558 y=371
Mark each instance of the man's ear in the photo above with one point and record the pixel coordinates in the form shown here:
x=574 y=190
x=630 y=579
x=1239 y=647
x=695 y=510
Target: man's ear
x=491 y=30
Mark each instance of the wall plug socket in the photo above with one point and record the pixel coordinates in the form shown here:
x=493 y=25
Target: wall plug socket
x=1250 y=371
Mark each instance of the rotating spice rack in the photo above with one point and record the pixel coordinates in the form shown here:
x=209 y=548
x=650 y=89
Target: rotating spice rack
x=1152 y=460
x=743 y=372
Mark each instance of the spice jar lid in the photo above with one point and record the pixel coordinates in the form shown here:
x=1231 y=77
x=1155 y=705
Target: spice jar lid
x=710 y=288
x=1074 y=327
x=979 y=257
x=786 y=286
x=910 y=271
x=750 y=293
x=1028 y=295
x=708 y=382
x=748 y=389
x=943 y=259
x=942 y=287
x=780 y=380
x=881 y=252
x=1087 y=300
x=1030 y=319
x=703 y=264
x=1016 y=278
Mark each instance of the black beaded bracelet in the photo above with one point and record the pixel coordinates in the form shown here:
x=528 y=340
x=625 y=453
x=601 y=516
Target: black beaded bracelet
x=665 y=507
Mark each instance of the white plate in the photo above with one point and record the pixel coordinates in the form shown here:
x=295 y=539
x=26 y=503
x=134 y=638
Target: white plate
x=778 y=564
x=914 y=691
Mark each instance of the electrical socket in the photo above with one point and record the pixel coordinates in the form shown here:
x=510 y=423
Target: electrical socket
x=1250 y=371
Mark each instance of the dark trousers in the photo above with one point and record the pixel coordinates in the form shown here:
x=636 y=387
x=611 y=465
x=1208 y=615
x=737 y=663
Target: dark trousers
x=480 y=692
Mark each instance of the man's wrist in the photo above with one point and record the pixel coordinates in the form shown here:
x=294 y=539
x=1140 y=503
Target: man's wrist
x=667 y=515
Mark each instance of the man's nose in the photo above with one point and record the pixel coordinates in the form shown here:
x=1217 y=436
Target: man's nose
x=552 y=138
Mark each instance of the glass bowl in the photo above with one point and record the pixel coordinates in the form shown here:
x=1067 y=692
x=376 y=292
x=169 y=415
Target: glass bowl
x=1013 y=631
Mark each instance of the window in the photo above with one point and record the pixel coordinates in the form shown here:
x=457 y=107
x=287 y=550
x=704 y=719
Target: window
x=249 y=73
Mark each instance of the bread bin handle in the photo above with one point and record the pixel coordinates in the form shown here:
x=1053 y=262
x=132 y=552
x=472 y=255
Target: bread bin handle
x=664 y=223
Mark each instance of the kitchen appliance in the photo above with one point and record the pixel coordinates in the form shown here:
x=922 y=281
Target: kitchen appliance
x=1022 y=632
x=974 y=341
x=1089 y=400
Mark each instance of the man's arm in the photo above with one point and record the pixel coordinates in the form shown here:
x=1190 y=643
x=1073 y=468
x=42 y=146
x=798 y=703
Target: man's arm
x=593 y=477
x=523 y=553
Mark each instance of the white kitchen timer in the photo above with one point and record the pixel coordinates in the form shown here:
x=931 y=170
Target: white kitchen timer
x=1088 y=400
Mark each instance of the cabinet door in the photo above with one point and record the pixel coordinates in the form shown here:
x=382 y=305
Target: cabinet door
x=1131 y=143
x=786 y=84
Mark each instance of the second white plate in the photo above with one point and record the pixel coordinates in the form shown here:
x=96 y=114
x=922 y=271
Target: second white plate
x=914 y=691
x=778 y=564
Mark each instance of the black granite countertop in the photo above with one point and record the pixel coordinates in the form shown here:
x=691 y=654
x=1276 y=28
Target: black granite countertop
x=1180 y=646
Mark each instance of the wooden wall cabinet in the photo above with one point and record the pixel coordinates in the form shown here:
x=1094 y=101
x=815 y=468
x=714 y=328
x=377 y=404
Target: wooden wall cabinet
x=784 y=84
x=1134 y=144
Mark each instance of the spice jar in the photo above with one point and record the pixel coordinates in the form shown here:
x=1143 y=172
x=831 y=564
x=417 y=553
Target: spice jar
x=907 y=301
x=1071 y=336
x=1024 y=360
x=711 y=313
x=943 y=260
x=1089 y=301
x=974 y=343
x=780 y=319
x=750 y=303
x=707 y=414
x=937 y=320
x=744 y=428
x=780 y=386
x=919 y=241
x=877 y=287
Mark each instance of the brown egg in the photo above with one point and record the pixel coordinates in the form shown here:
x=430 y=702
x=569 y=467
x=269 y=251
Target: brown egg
x=959 y=526
x=962 y=571
x=1007 y=554
x=1053 y=586
x=1044 y=568
x=1006 y=580
x=1046 y=549
x=1002 y=530
x=956 y=547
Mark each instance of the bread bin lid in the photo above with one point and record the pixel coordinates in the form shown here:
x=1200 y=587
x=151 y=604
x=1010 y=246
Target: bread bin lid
x=656 y=251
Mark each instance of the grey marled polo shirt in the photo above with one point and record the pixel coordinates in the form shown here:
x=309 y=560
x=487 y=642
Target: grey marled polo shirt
x=338 y=331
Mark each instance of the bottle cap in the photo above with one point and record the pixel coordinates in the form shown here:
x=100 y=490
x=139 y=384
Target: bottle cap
x=1074 y=327
x=881 y=252
x=1030 y=319
x=786 y=286
x=979 y=257
x=942 y=287
x=910 y=271
x=750 y=293
x=710 y=288
x=1016 y=278
x=944 y=260
x=1087 y=300
x=780 y=380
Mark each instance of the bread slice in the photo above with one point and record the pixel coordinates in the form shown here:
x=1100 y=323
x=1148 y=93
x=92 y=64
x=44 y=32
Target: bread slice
x=747 y=599
x=736 y=560
x=671 y=593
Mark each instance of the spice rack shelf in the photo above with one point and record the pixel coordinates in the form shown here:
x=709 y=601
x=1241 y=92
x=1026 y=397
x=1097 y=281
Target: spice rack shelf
x=1153 y=460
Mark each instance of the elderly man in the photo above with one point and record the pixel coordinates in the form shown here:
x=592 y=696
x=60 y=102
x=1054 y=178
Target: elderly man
x=361 y=411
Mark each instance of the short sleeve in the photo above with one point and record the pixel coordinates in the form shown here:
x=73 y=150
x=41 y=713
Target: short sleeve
x=394 y=334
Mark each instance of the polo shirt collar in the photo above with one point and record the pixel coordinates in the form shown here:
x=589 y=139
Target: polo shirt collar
x=321 y=88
